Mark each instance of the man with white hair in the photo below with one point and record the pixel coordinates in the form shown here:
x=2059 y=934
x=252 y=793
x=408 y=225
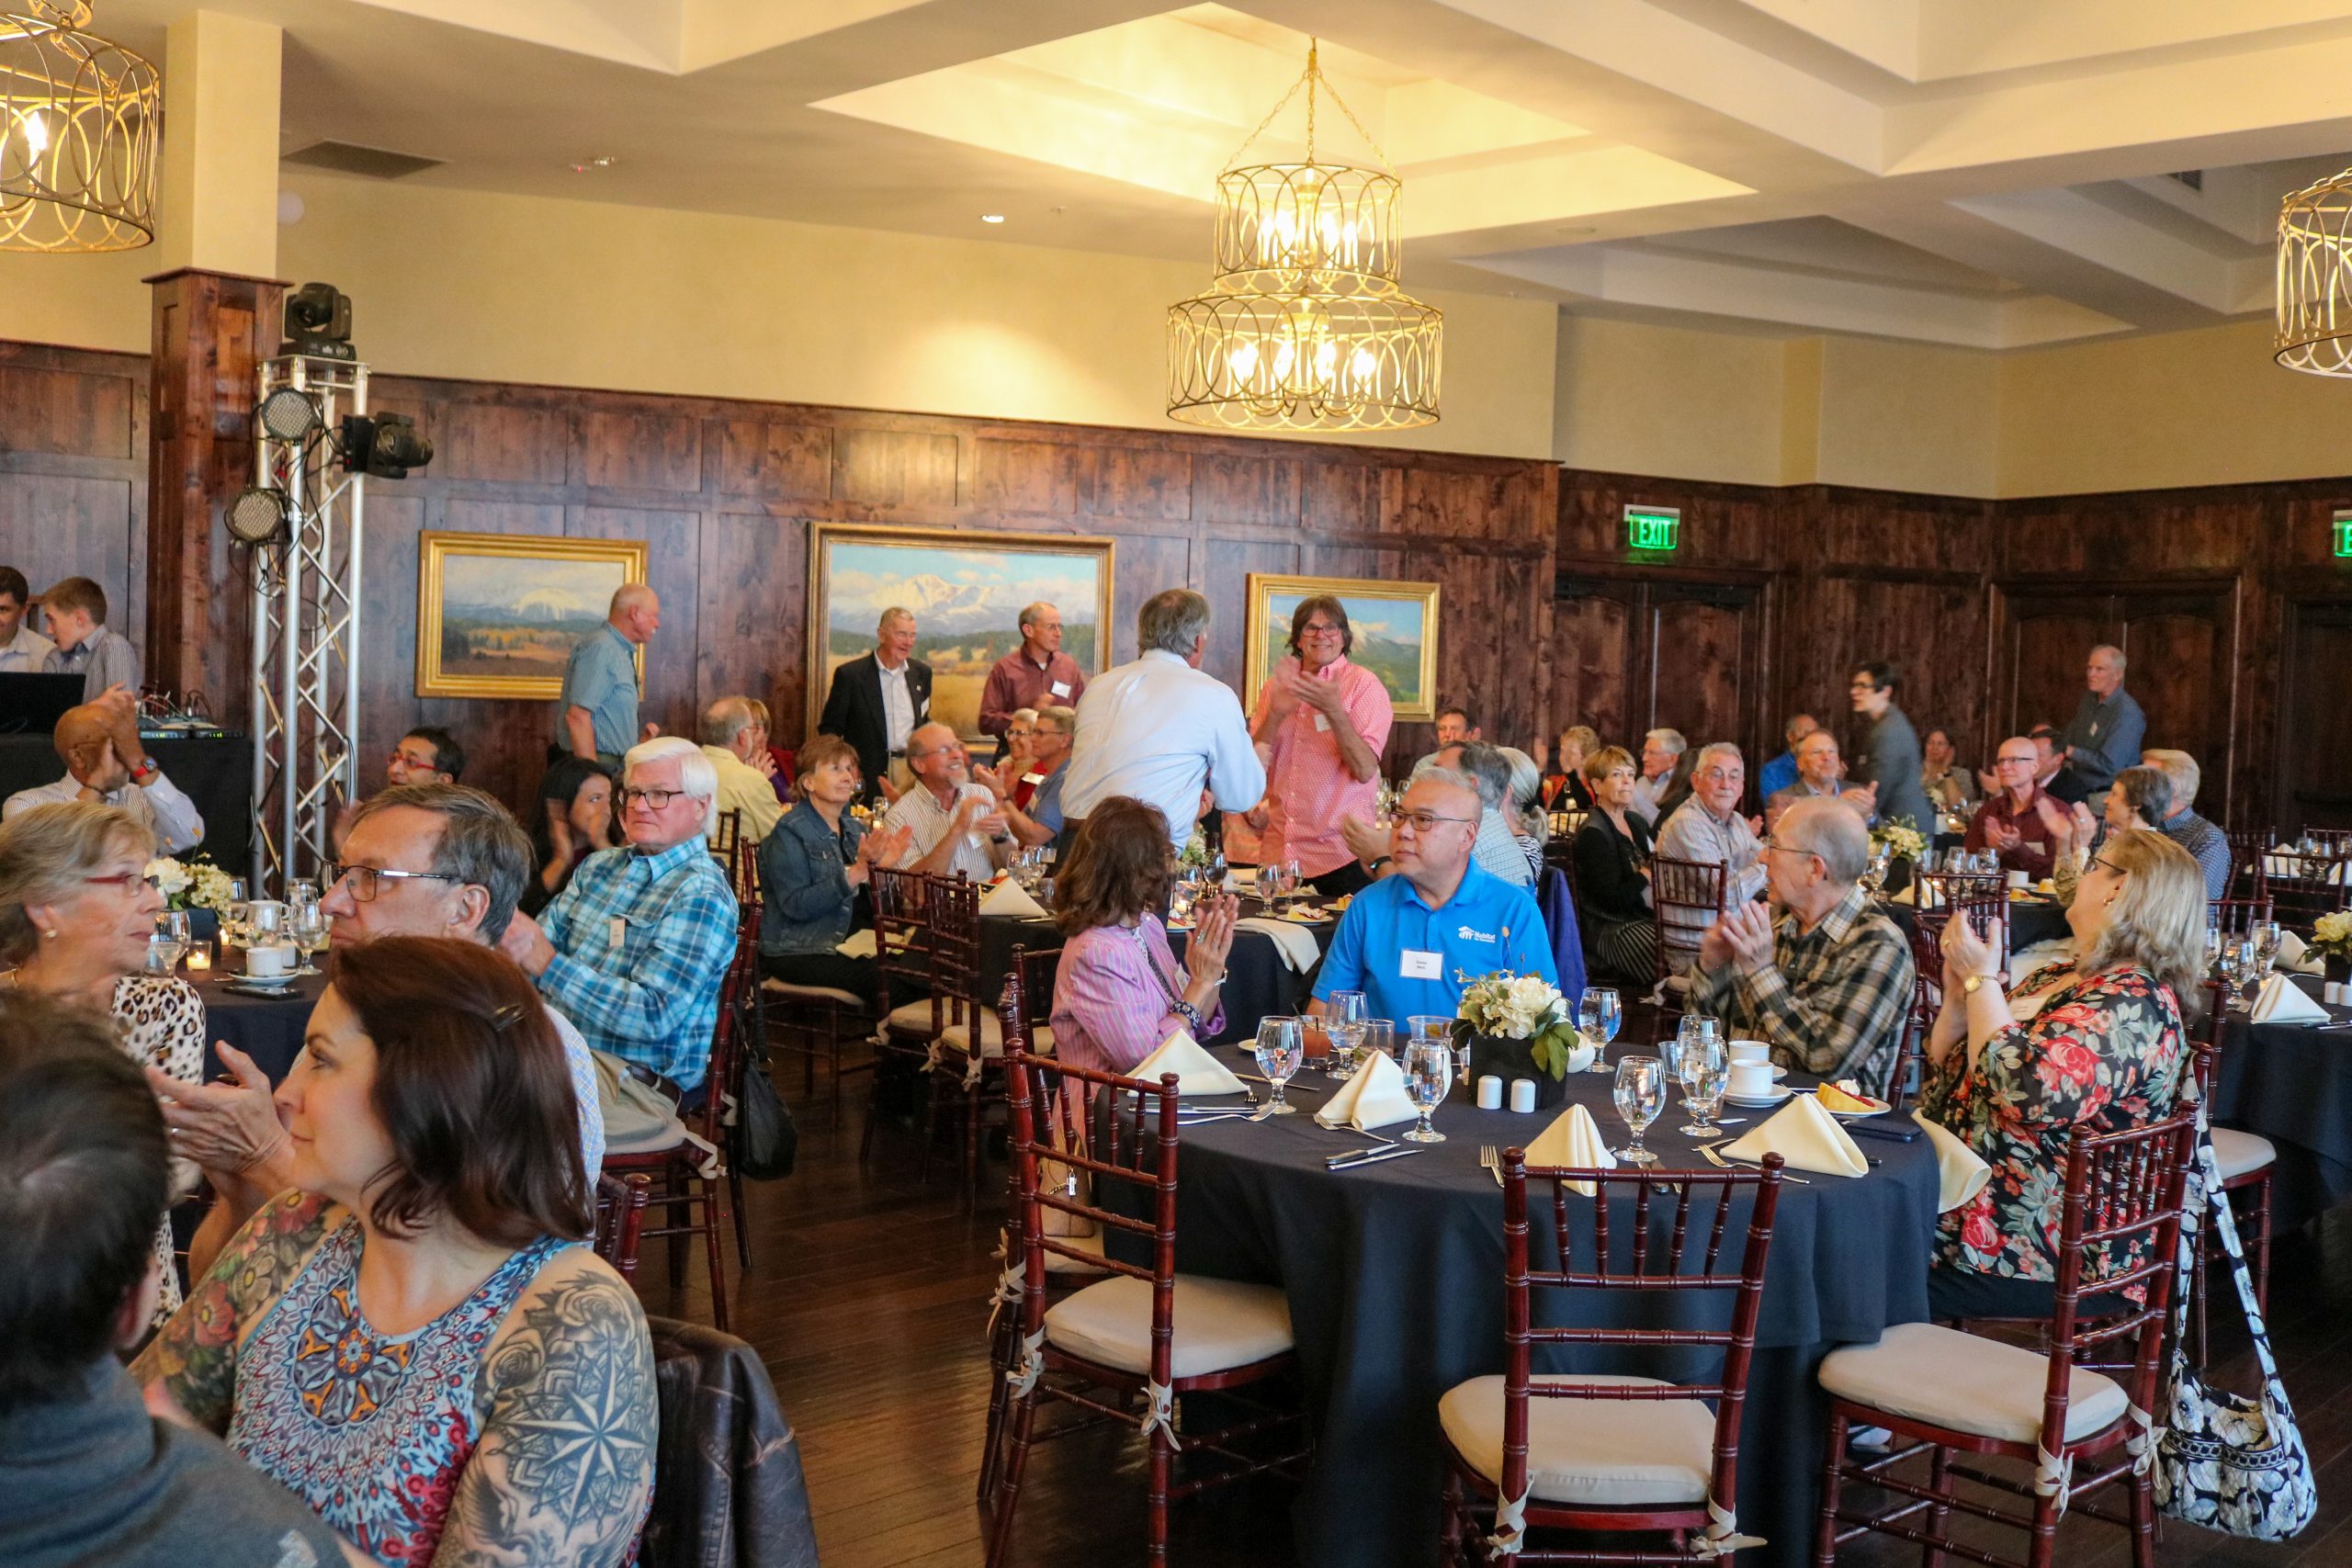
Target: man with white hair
x=2206 y=843
x=952 y=823
x=595 y=718
x=878 y=699
x=1158 y=728
x=1708 y=827
x=736 y=741
x=634 y=946
x=1653 y=791
x=2107 y=729
x=1827 y=986
x=1036 y=675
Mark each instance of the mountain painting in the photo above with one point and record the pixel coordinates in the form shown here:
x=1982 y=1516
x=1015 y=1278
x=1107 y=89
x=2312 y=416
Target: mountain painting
x=966 y=598
x=499 y=613
x=1394 y=628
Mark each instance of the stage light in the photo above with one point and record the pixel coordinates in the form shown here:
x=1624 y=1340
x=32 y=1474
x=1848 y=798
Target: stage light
x=257 y=516
x=287 y=415
x=318 y=322
x=384 y=445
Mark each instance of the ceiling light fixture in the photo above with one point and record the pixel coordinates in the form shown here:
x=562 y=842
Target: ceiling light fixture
x=589 y=165
x=991 y=217
x=81 y=123
x=2315 y=278
x=1305 y=325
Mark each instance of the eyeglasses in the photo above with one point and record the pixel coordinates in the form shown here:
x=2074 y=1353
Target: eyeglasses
x=2097 y=861
x=656 y=798
x=123 y=879
x=366 y=881
x=1769 y=845
x=1319 y=631
x=428 y=763
x=2015 y=761
x=1422 y=821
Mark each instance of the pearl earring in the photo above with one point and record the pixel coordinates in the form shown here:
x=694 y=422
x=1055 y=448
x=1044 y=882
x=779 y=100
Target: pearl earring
x=51 y=933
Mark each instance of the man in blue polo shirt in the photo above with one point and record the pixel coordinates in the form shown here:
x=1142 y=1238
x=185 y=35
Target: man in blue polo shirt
x=1411 y=940
x=595 y=718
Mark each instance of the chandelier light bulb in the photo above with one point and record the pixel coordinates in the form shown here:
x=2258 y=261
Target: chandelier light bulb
x=36 y=132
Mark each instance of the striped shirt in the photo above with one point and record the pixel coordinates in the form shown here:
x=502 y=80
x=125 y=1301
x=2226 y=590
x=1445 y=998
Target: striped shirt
x=1833 y=1001
x=1114 y=998
x=642 y=943
x=1308 y=787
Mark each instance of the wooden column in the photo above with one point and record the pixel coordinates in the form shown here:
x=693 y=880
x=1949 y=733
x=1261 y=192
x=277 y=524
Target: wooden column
x=211 y=331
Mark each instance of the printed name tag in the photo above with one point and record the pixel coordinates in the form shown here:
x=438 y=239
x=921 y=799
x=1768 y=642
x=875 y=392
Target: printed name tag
x=1322 y=723
x=1417 y=965
x=1061 y=688
x=616 y=933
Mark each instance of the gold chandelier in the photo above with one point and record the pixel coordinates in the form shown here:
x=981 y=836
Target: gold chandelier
x=81 y=124
x=1305 y=325
x=2315 y=278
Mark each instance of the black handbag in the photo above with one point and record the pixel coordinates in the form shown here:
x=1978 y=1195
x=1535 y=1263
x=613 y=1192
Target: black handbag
x=766 y=1141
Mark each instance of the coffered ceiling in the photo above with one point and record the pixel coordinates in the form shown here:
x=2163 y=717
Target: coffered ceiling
x=1990 y=173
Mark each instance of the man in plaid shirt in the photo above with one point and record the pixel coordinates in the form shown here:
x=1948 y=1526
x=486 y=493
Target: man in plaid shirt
x=634 y=948
x=1828 y=986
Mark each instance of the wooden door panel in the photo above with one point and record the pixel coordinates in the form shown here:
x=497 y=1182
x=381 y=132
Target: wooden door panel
x=1698 y=652
x=1592 y=665
x=2171 y=673
x=2048 y=645
x=2314 y=788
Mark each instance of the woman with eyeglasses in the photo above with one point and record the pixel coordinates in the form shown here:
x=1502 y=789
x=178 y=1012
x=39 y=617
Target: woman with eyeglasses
x=76 y=911
x=2101 y=1048
x=575 y=819
x=1611 y=855
x=2139 y=798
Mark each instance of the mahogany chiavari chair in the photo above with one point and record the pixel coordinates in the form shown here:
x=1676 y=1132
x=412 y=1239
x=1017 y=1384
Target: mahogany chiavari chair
x=620 y=1219
x=902 y=959
x=2248 y=873
x=2238 y=917
x=1686 y=897
x=2247 y=1162
x=1548 y=1452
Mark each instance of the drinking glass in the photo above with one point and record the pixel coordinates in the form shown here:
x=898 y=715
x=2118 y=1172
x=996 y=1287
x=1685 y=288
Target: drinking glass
x=1706 y=1072
x=1598 y=1016
x=1179 y=901
x=1429 y=1074
x=308 y=924
x=1286 y=884
x=301 y=891
x=1433 y=1029
x=2267 y=937
x=1281 y=1046
x=233 y=913
x=1343 y=1015
x=1379 y=1039
x=168 y=944
x=1640 y=1094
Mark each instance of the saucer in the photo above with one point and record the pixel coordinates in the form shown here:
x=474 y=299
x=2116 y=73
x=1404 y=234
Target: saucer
x=1758 y=1102
x=260 y=982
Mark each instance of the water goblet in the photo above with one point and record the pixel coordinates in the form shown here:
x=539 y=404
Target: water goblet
x=1598 y=1016
x=2267 y=934
x=301 y=891
x=1428 y=1076
x=308 y=928
x=1640 y=1094
x=169 y=942
x=1706 y=1072
x=1343 y=1016
x=1281 y=1046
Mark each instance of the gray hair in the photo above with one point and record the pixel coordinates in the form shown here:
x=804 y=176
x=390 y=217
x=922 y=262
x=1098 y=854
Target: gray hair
x=1063 y=720
x=1831 y=830
x=1172 y=621
x=1029 y=713
x=1484 y=763
x=1032 y=614
x=2147 y=791
x=481 y=842
x=2112 y=652
x=1526 y=795
x=628 y=596
x=1453 y=778
x=1669 y=738
x=723 y=719
x=1718 y=749
x=2182 y=771
x=45 y=852
x=697 y=776
x=895 y=612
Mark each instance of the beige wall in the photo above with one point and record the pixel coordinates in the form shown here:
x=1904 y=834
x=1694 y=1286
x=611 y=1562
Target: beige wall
x=1906 y=416
x=78 y=301
x=1636 y=399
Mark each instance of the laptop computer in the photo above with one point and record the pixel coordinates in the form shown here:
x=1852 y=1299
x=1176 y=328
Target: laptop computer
x=31 y=704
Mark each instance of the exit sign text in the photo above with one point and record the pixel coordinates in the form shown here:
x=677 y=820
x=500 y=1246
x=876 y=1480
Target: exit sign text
x=1654 y=527
x=2344 y=534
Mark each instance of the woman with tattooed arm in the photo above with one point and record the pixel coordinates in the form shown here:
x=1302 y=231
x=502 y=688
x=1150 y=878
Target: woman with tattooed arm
x=416 y=1341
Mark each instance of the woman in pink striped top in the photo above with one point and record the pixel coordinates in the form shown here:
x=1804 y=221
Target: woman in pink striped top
x=1121 y=990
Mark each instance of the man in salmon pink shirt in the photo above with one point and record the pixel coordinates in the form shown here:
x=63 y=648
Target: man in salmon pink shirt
x=1322 y=722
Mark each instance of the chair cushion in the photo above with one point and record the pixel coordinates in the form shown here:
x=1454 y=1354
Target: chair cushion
x=911 y=1018
x=784 y=990
x=1973 y=1384
x=957 y=1037
x=2242 y=1154
x=655 y=1138
x=1590 y=1451
x=1218 y=1324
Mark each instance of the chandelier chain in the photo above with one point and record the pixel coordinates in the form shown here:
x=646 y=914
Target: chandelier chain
x=1308 y=79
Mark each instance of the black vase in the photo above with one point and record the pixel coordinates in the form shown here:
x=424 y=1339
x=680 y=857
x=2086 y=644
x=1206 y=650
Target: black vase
x=1509 y=1059
x=2338 y=969
x=203 y=924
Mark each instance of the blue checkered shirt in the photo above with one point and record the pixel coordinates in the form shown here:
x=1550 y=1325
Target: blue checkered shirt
x=642 y=943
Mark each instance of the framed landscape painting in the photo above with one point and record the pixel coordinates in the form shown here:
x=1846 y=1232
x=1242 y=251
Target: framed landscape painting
x=497 y=614
x=1394 y=626
x=966 y=591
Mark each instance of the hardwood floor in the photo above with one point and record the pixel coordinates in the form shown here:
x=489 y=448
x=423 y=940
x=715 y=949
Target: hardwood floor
x=867 y=1299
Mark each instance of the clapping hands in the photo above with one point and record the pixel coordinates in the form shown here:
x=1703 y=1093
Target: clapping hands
x=1212 y=940
x=1742 y=936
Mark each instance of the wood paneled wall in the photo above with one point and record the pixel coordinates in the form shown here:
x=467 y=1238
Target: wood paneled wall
x=74 y=472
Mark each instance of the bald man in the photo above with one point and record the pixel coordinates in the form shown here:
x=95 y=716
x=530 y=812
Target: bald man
x=105 y=762
x=952 y=823
x=595 y=718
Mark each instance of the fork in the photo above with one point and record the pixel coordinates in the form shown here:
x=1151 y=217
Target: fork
x=1717 y=1160
x=1490 y=1161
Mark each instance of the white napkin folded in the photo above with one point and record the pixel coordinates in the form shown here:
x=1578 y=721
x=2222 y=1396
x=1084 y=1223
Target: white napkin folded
x=1375 y=1097
x=1574 y=1140
x=1197 y=1071
x=857 y=944
x=1961 y=1171
x=1009 y=897
x=2291 y=950
x=1804 y=1135
x=2282 y=1001
x=1295 y=943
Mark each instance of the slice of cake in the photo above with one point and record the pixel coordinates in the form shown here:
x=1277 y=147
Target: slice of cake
x=1844 y=1095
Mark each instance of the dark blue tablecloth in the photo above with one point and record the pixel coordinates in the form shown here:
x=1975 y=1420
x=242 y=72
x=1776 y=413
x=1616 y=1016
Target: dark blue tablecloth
x=2292 y=1083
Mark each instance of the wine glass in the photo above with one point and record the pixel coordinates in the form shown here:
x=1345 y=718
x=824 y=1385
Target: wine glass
x=1706 y=1072
x=1598 y=1016
x=2267 y=937
x=1343 y=1016
x=301 y=891
x=233 y=913
x=1640 y=1093
x=1428 y=1076
x=1281 y=1046
x=169 y=942
x=308 y=928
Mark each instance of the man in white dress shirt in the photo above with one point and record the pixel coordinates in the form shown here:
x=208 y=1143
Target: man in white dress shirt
x=954 y=824
x=1158 y=728
x=105 y=762
x=22 y=650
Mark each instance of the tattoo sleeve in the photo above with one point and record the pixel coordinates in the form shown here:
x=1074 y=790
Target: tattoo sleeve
x=195 y=1354
x=565 y=1465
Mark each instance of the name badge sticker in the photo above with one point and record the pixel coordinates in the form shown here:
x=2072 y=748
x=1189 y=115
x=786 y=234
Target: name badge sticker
x=1414 y=965
x=1061 y=688
x=1322 y=723
x=616 y=933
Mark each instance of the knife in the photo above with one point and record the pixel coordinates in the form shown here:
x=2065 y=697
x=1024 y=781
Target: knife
x=1369 y=1156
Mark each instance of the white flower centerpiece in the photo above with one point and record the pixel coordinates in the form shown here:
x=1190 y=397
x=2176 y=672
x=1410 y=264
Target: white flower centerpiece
x=199 y=886
x=1519 y=1026
x=2332 y=940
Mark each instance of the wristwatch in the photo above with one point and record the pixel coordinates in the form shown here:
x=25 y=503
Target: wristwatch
x=1374 y=867
x=1973 y=982
x=145 y=769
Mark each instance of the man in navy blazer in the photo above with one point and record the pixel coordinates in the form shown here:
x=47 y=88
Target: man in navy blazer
x=878 y=700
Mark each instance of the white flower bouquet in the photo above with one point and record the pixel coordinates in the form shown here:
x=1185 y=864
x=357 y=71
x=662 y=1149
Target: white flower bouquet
x=1520 y=1009
x=1900 y=840
x=197 y=885
x=1195 y=856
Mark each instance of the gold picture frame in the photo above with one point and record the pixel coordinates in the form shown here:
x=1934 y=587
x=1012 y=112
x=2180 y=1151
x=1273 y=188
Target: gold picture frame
x=966 y=612
x=497 y=615
x=1396 y=626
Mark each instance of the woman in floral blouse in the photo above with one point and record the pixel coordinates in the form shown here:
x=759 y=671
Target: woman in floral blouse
x=2105 y=1051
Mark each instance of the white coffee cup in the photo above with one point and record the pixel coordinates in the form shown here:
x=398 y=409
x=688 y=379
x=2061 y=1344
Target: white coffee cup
x=1749 y=1051
x=268 y=962
x=1751 y=1080
x=2020 y=881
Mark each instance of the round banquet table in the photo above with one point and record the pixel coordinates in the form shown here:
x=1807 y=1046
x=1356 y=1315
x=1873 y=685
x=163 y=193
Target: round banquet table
x=267 y=1029
x=1394 y=1275
x=2292 y=1083
x=2033 y=921
x=1258 y=983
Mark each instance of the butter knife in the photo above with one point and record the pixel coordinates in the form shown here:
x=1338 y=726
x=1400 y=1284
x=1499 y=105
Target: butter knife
x=1369 y=1156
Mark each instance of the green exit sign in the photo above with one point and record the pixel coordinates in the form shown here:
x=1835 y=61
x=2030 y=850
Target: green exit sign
x=2344 y=532
x=1660 y=527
